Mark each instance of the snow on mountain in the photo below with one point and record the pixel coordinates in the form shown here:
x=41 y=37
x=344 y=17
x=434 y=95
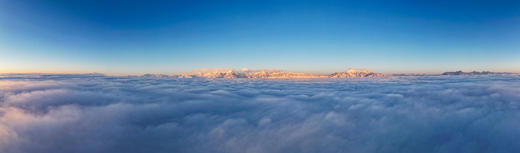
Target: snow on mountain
x=270 y=74
x=246 y=73
x=217 y=73
x=355 y=73
x=277 y=74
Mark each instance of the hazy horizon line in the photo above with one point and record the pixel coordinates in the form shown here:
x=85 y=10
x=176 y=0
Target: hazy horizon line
x=237 y=70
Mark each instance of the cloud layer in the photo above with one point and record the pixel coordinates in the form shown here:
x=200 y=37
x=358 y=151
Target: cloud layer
x=95 y=113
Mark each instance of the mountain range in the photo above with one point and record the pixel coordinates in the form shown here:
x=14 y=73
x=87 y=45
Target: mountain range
x=269 y=74
x=473 y=73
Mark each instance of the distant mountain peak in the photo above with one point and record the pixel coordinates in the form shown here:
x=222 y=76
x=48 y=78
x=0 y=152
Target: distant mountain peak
x=472 y=73
x=355 y=73
x=268 y=74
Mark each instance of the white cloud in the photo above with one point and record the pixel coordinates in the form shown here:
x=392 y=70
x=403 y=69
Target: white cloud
x=132 y=114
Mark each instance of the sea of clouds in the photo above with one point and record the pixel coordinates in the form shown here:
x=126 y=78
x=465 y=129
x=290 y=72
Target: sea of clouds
x=408 y=114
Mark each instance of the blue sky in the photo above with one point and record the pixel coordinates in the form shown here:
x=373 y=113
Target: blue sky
x=135 y=37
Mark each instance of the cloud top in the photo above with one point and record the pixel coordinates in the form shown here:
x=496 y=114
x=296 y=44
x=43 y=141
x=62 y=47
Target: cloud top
x=95 y=113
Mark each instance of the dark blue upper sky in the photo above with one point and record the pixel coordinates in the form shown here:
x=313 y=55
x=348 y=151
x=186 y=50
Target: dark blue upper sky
x=307 y=36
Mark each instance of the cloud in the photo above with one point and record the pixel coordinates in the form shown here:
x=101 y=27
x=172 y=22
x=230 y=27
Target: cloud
x=95 y=113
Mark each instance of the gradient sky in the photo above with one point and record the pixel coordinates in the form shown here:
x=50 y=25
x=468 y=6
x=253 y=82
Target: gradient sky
x=135 y=37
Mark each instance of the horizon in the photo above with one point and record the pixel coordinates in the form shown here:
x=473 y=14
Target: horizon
x=239 y=70
x=137 y=37
x=236 y=69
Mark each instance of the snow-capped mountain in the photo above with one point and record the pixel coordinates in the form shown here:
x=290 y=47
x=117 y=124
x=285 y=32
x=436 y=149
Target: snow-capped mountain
x=355 y=73
x=246 y=73
x=267 y=74
x=277 y=74
x=217 y=73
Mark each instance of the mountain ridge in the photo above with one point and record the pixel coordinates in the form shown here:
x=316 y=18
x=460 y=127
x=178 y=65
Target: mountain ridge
x=269 y=74
x=473 y=73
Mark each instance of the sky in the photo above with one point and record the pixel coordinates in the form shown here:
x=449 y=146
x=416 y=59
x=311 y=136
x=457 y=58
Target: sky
x=136 y=37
